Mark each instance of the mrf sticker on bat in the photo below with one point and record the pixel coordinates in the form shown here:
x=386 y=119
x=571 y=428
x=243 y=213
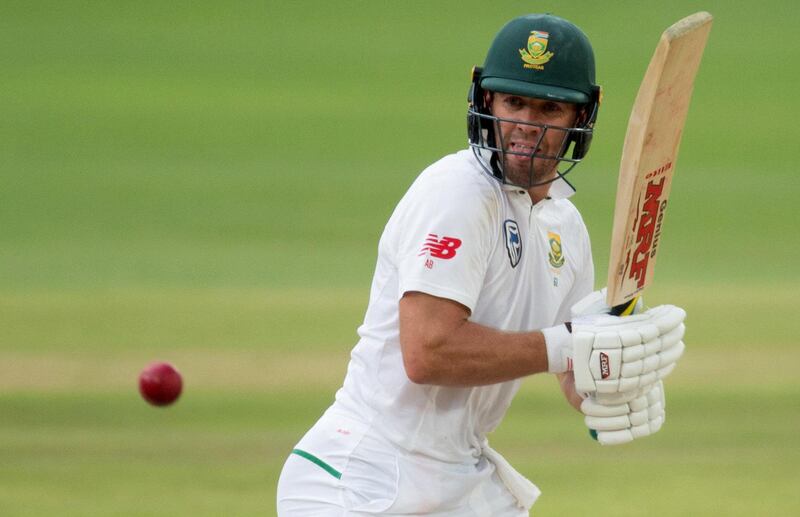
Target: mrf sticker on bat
x=647 y=225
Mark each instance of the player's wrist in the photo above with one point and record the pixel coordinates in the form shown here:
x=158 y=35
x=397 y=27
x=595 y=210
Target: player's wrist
x=558 y=342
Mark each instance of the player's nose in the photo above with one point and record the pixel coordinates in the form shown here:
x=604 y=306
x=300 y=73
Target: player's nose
x=528 y=125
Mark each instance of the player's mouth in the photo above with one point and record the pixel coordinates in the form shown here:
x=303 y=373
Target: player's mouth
x=522 y=150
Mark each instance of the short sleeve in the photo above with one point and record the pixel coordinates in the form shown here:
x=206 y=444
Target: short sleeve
x=445 y=237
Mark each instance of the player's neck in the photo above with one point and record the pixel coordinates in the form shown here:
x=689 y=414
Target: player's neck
x=538 y=193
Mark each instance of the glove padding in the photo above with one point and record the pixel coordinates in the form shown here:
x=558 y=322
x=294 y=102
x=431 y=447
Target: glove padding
x=559 y=338
x=617 y=424
x=612 y=354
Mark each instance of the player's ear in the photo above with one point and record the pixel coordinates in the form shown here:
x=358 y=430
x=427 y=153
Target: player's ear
x=581 y=116
x=488 y=96
x=586 y=118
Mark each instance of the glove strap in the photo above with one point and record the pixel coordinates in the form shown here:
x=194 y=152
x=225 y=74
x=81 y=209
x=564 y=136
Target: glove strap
x=558 y=341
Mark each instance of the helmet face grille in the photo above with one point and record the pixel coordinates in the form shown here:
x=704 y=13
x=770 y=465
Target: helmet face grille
x=542 y=168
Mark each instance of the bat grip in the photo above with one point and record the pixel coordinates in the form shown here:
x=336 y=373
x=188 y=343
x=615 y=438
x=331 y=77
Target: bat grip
x=625 y=309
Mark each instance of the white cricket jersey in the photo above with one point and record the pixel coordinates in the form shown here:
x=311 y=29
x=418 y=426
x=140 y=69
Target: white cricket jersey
x=462 y=235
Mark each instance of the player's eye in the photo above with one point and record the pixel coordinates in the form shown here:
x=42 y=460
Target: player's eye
x=552 y=107
x=514 y=102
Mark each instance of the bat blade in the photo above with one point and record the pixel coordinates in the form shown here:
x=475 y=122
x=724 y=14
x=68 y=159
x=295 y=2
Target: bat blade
x=649 y=155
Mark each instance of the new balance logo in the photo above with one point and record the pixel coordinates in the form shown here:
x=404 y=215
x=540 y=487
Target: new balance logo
x=444 y=248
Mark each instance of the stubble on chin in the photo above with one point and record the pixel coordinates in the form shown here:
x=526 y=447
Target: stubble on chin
x=542 y=171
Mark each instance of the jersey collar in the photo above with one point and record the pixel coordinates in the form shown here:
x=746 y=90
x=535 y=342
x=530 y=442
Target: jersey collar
x=559 y=189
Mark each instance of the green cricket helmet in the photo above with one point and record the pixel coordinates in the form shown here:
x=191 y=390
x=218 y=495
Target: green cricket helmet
x=544 y=57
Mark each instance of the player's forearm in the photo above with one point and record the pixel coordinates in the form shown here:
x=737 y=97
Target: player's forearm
x=474 y=355
x=442 y=347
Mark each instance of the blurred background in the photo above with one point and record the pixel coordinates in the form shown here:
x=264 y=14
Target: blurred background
x=205 y=183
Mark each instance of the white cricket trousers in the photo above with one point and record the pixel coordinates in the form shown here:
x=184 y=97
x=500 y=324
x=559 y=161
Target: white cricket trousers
x=341 y=469
x=307 y=490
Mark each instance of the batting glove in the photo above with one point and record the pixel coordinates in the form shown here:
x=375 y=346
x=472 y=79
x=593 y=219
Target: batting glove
x=611 y=354
x=622 y=423
x=559 y=337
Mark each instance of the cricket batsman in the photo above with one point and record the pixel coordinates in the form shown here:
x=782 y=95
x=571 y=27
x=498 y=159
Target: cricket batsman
x=484 y=276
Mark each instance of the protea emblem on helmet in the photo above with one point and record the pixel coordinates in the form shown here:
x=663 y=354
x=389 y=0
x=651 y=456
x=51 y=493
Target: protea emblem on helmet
x=536 y=54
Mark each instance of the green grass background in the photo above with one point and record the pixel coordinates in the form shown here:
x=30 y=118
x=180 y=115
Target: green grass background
x=205 y=183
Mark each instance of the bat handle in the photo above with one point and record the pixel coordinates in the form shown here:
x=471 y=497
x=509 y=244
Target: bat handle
x=625 y=309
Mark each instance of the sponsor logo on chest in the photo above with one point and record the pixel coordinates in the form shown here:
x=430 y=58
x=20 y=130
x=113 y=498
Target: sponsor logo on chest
x=513 y=241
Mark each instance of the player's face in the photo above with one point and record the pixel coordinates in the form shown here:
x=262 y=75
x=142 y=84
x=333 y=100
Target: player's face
x=520 y=140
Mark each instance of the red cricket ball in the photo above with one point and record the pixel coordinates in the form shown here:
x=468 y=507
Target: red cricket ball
x=160 y=384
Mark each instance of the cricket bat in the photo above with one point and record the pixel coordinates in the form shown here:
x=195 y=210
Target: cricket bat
x=649 y=156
